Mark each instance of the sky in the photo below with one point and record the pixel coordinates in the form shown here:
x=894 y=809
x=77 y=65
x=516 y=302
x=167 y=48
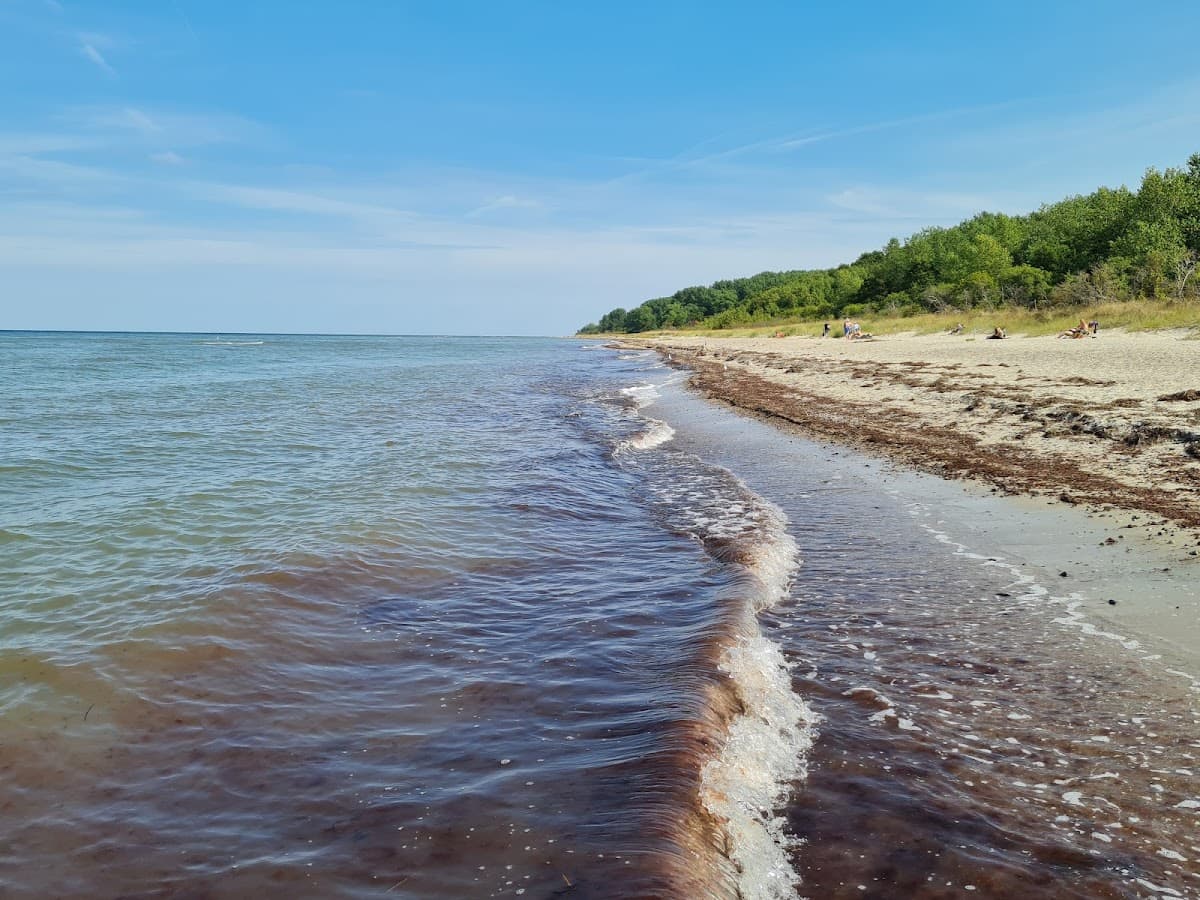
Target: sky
x=522 y=168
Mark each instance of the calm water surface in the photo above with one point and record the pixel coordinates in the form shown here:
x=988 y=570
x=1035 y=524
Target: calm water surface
x=444 y=618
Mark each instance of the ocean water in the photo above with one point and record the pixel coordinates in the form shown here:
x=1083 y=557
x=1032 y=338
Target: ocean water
x=448 y=618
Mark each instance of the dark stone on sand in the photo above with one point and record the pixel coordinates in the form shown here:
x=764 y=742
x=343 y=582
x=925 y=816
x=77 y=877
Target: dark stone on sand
x=1112 y=602
x=1062 y=574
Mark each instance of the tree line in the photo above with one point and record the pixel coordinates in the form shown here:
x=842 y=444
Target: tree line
x=1107 y=245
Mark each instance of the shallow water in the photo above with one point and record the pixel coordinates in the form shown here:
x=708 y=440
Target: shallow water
x=352 y=616
x=408 y=617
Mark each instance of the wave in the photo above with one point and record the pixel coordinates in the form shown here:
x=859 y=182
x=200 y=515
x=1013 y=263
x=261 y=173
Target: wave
x=751 y=740
x=641 y=395
x=766 y=747
x=759 y=729
x=232 y=343
x=654 y=436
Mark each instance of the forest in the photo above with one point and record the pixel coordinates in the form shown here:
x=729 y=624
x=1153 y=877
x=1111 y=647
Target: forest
x=1112 y=244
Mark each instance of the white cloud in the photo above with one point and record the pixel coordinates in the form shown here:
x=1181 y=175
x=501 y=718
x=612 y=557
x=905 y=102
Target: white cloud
x=931 y=207
x=506 y=201
x=33 y=143
x=90 y=44
x=179 y=129
x=299 y=201
x=862 y=200
x=89 y=51
x=139 y=121
x=167 y=158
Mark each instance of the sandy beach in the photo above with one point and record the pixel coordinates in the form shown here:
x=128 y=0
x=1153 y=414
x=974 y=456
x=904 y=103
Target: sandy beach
x=1106 y=429
x=1110 y=422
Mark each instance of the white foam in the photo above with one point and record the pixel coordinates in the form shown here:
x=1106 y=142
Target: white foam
x=766 y=748
x=1158 y=888
x=655 y=436
x=642 y=394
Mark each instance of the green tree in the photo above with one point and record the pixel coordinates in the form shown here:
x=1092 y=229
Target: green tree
x=641 y=319
x=613 y=321
x=1025 y=285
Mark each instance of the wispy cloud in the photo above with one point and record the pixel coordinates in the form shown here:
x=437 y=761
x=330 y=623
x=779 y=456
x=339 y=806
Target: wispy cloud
x=167 y=158
x=783 y=145
x=186 y=21
x=166 y=125
x=89 y=46
x=902 y=206
x=34 y=143
x=139 y=121
x=506 y=201
x=298 y=201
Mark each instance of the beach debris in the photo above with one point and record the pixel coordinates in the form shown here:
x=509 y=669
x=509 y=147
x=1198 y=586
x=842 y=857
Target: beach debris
x=1190 y=394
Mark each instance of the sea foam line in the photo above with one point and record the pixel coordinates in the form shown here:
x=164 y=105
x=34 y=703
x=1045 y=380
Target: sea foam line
x=656 y=433
x=1074 y=617
x=765 y=750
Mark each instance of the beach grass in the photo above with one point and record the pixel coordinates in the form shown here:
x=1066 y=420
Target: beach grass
x=1127 y=315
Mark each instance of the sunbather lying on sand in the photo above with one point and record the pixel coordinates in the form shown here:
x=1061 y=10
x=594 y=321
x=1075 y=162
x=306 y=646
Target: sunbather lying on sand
x=1083 y=329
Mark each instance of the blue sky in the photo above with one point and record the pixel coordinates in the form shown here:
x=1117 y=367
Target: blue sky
x=521 y=168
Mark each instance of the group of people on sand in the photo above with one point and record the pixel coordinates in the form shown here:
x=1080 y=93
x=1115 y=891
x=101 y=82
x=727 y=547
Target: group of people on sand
x=852 y=331
x=998 y=333
x=1082 y=330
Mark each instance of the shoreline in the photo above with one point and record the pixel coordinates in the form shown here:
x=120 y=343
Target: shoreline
x=967 y=667
x=1081 y=422
x=1124 y=531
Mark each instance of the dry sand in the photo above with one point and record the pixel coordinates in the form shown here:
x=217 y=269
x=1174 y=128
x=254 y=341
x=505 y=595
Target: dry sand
x=1084 y=421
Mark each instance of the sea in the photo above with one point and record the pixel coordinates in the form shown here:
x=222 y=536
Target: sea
x=439 y=617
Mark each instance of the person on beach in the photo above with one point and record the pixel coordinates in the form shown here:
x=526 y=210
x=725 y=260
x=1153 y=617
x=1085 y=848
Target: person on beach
x=846 y=327
x=998 y=334
x=1083 y=329
x=825 y=333
x=957 y=329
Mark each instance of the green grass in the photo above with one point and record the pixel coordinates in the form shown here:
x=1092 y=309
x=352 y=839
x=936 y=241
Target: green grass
x=1129 y=315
